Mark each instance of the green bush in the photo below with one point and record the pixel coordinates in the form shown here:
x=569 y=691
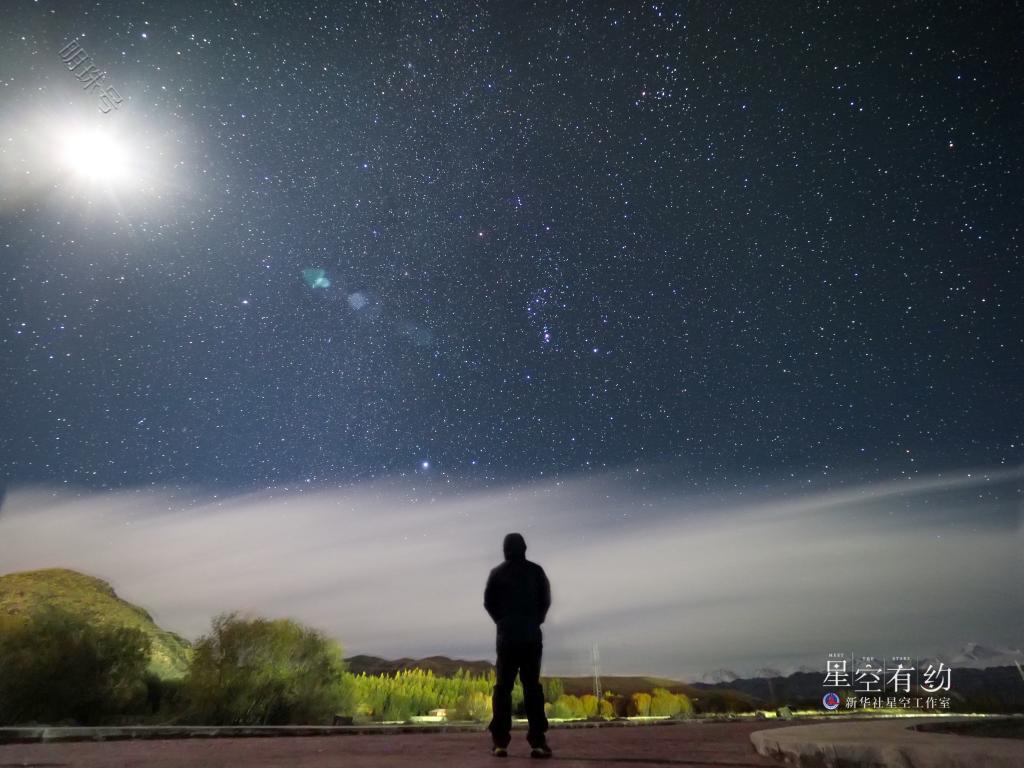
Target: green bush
x=518 y=699
x=567 y=708
x=262 y=672
x=667 y=704
x=57 y=667
x=588 y=705
x=475 y=705
x=553 y=689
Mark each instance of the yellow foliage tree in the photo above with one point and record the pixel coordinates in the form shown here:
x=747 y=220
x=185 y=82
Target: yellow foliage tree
x=640 y=704
x=588 y=705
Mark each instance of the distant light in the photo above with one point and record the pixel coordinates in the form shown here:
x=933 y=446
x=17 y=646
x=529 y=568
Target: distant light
x=425 y=464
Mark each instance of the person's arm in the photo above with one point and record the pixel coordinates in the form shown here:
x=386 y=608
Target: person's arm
x=545 y=595
x=491 y=598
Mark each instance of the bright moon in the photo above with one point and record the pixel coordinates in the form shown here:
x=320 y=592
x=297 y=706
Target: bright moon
x=104 y=162
x=97 y=157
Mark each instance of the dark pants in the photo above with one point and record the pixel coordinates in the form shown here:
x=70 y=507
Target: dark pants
x=524 y=659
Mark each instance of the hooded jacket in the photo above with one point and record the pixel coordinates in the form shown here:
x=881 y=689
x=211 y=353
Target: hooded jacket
x=517 y=595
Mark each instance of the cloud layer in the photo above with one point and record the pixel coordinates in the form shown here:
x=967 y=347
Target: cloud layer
x=688 y=586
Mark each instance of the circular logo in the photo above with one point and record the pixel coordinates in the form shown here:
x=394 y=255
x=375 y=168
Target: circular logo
x=830 y=700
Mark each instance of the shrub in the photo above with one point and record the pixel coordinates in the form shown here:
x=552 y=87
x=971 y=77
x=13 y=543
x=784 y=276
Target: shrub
x=620 y=704
x=518 y=699
x=588 y=705
x=640 y=704
x=475 y=705
x=262 y=672
x=553 y=689
x=686 y=708
x=163 y=696
x=56 y=667
x=567 y=708
x=667 y=704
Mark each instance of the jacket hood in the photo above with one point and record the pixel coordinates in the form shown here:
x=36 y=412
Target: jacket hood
x=514 y=547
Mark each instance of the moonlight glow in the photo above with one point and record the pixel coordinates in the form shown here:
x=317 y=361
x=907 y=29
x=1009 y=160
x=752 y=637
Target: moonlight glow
x=76 y=160
x=97 y=156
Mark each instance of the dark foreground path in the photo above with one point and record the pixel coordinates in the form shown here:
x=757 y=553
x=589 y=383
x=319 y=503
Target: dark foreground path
x=696 y=745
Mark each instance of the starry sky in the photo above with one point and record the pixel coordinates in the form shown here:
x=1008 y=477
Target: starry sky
x=667 y=263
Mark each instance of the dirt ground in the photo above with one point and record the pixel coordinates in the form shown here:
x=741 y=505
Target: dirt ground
x=698 y=745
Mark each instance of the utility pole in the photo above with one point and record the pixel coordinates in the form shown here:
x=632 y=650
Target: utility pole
x=597 y=673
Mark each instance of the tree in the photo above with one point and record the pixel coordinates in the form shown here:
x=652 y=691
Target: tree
x=640 y=704
x=475 y=705
x=56 y=666
x=416 y=692
x=262 y=672
x=553 y=689
x=518 y=697
x=664 y=703
x=567 y=708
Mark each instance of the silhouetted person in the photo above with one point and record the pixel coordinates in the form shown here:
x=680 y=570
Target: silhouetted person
x=517 y=597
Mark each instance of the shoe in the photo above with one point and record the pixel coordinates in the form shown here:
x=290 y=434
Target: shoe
x=499 y=751
x=542 y=751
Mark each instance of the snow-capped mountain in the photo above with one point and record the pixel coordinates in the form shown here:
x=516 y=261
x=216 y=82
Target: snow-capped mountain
x=978 y=656
x=970 y=655
x=719 y=676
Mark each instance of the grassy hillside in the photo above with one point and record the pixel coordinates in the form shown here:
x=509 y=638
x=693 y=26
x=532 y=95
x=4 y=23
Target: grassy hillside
x=94 y=600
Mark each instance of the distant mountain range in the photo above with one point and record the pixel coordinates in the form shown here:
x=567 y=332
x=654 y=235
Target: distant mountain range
x=978 y=656
x=970 y=656
x=983 y=678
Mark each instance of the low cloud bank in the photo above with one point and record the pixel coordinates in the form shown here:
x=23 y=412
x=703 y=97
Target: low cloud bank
x=665 y=583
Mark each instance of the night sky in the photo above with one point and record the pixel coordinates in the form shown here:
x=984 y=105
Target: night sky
x=674 y=251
